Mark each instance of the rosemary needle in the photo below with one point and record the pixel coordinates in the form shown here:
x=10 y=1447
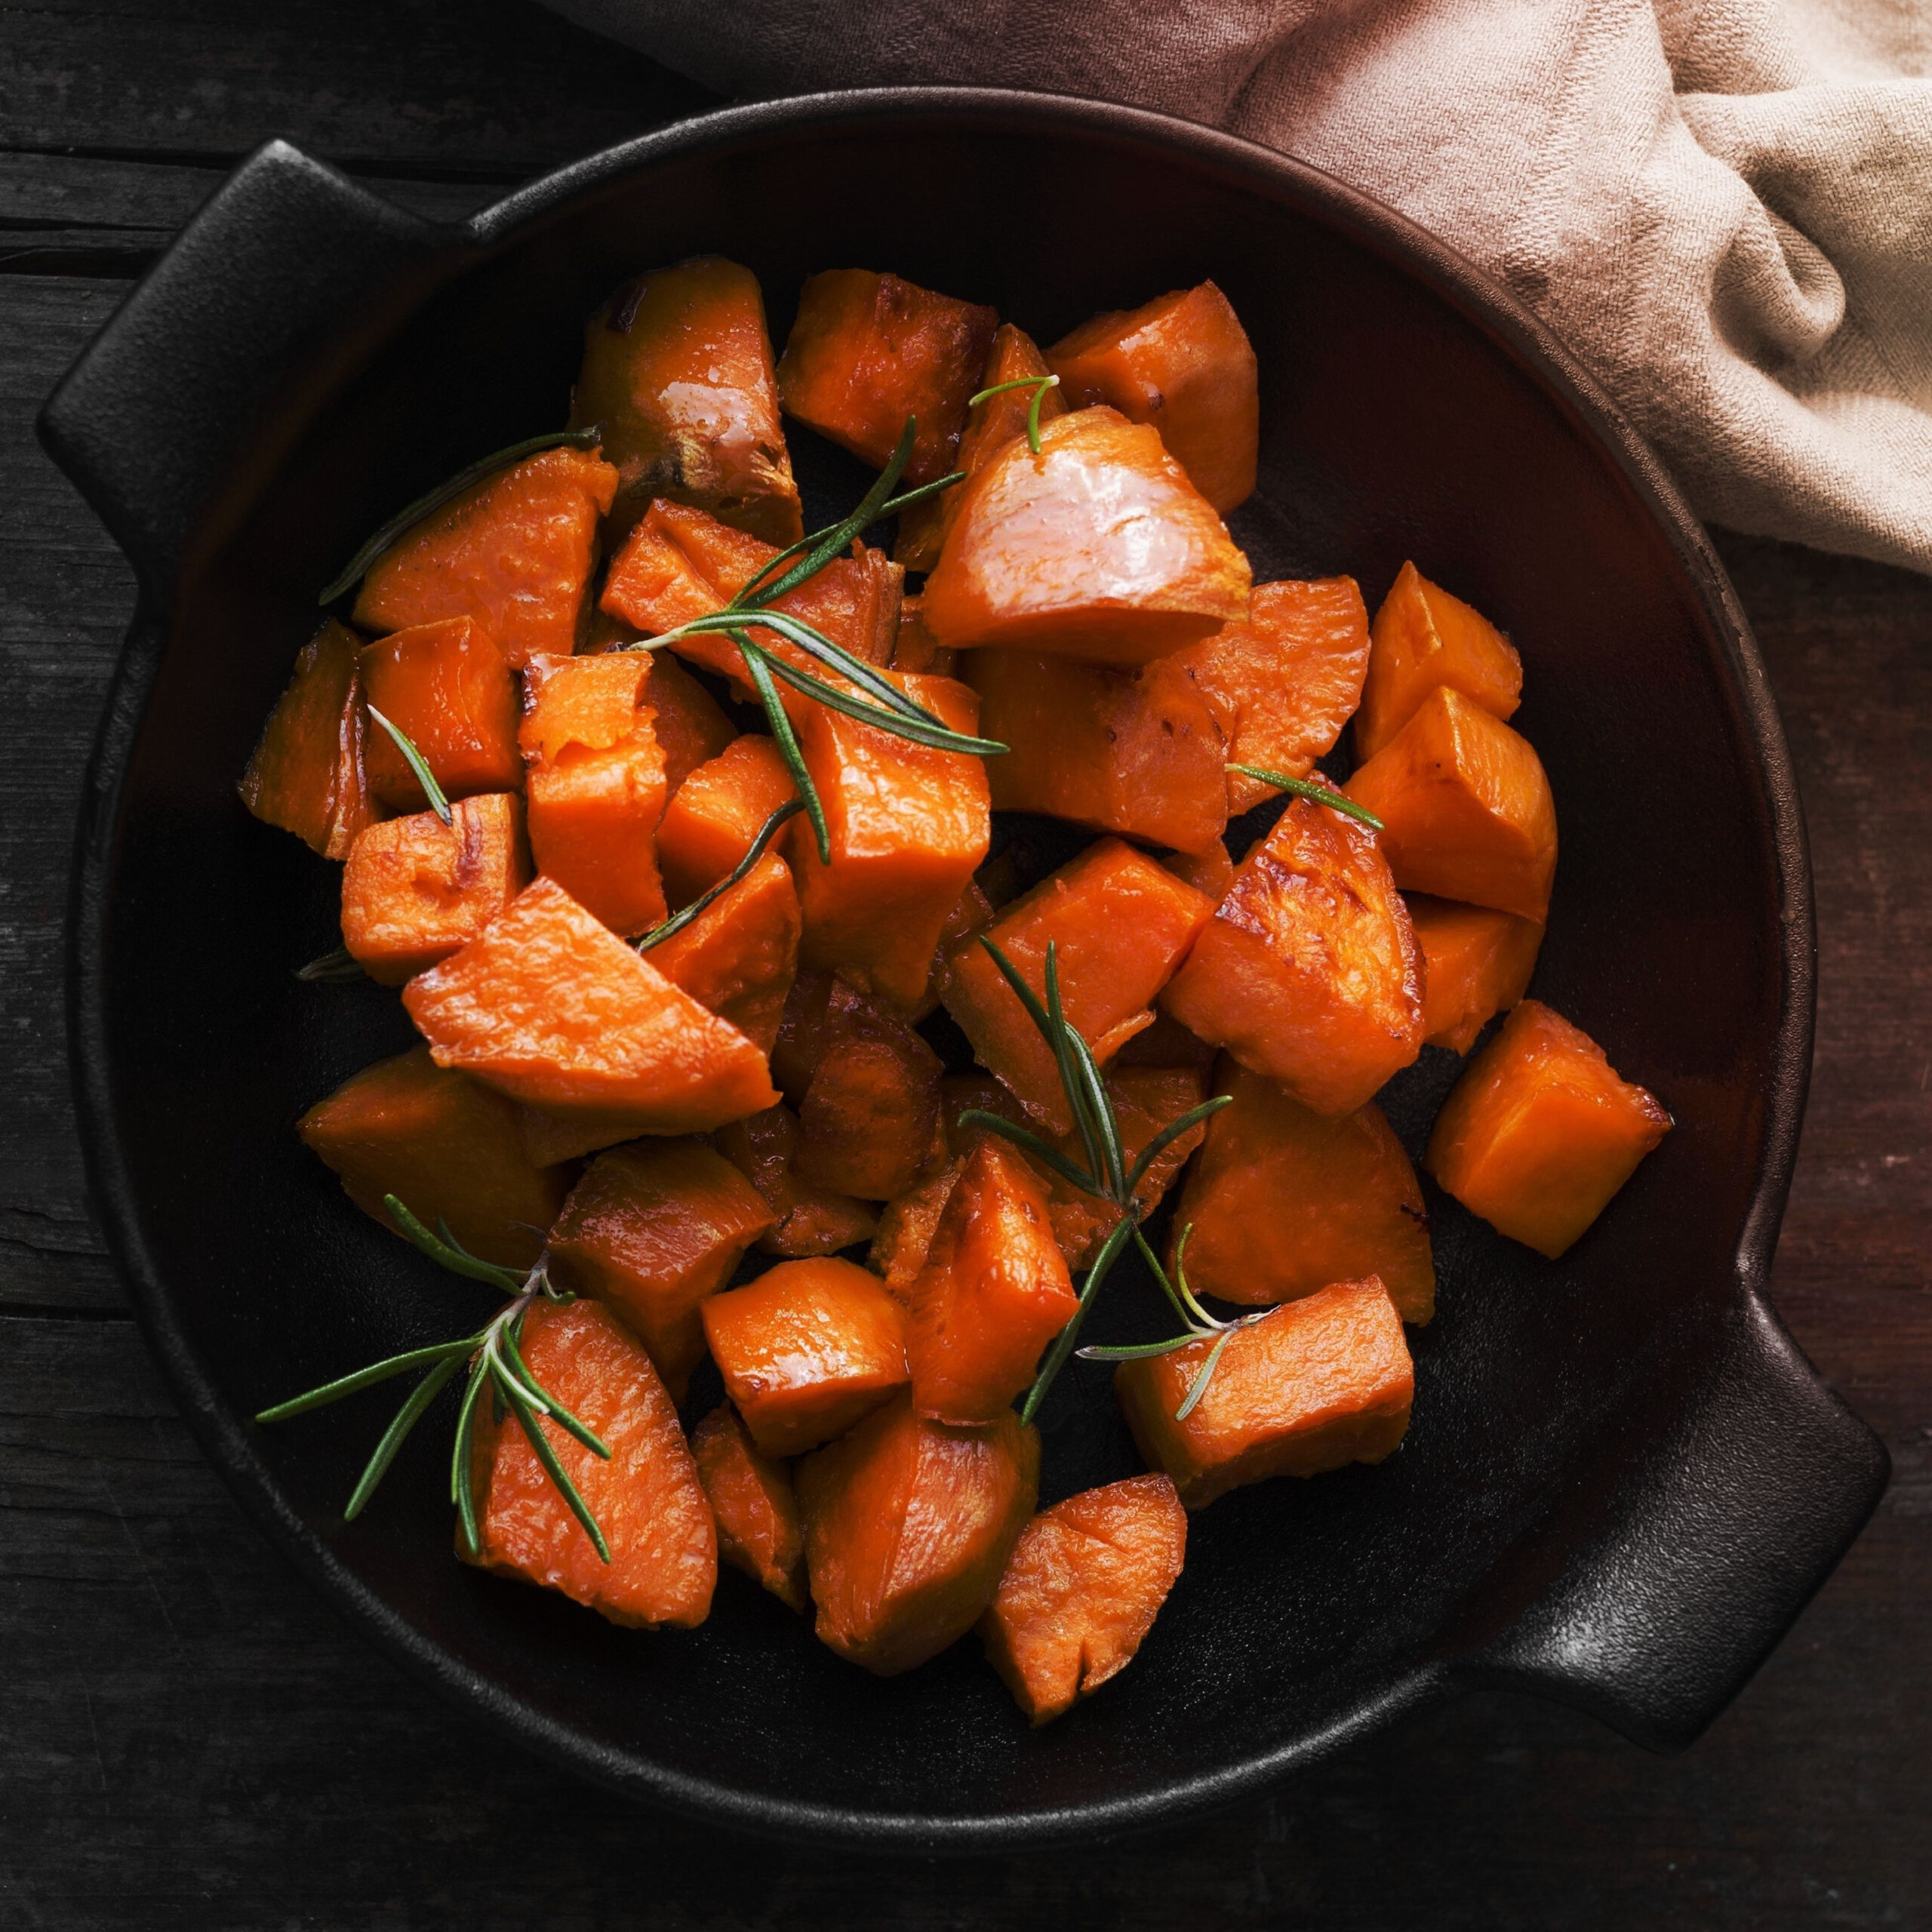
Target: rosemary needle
x=1039 y=384
x=417 y=763
x=1304 y=788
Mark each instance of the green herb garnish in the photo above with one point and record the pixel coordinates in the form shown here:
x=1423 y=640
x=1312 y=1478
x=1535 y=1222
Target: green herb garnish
x=1039 y=384
x=341 y=963
x=742 y=871
x=1304 y=788
x=417 y=763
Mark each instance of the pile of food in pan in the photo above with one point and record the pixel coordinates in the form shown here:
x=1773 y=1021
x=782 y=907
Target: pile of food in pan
x=683 y=834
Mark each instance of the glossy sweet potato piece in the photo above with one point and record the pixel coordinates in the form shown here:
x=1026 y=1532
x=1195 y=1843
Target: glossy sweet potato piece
x=306 y=773
x=913 y=647
x=676 y=374
x=757 y=1512
x=806 y=1350
x=1540 y=1132
x=514 y=552
x=868 y=350
x=1307 y=971
x=906 y=1224
x=740 y=955
x=415 y=890
x=1082 y=1591
x=1120 y=924
x=691 y=726
x=1283 y=681
x=1322 y=1381
x=1135 y=752
x=718 y=811
x=811 y=1220
x=1181 y=362
x=909 y=1526
x=909 y=827
x=647 y=1498
x=445 y=686
x=1424 y=638
x=1284 y=1200
x=1467 y=807
x=551 y=1008
x=870 y=1114
x=446 y=1148
x=652 y=1229
x=1210 y=871
x=1035 y=560
x=1475 y=964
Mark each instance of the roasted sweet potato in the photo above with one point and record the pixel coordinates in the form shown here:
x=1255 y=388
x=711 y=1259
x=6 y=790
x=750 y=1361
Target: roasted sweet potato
x=1475 y=964
x=909 y=1526
x=307 y=772
x=1181 y=362
x=740 y=955
x=1320 y=1382
x=1082 y=1591
x=676 y=374
x=448 y=1148
x=718 y=811
x=870 y=1115
x=551 y=1008
x=1308 y=972
x=1034 y=561
x=913 y=649
x=1424 y=638
x=1540 y=1131
x=647 y=1498
x=690 y=725
x=514 y=552
x=446 y=687
x=868 y=350
x=415 y=890
x=1168 y=1044
x=811 y=1220
x=906 y=1224
x=757 y=1512
x=802 y=1035
x=1468 y=808
x=806 y=1350
x=1210 y=871
x=652 y=1228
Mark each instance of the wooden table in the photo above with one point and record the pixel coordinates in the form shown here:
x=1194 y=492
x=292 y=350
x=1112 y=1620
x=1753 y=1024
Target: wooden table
x=190 y=1738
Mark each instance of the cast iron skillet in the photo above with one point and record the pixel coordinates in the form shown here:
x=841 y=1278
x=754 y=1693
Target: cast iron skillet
x=1623 y=1481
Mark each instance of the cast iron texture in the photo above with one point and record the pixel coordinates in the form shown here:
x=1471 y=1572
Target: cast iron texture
x=1623 y=1480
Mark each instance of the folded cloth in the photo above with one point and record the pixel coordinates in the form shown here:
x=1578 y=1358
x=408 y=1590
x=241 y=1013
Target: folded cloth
x=1723 y=207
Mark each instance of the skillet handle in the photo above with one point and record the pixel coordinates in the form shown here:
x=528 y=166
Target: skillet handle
x=1685 y=1576
x=148 y=421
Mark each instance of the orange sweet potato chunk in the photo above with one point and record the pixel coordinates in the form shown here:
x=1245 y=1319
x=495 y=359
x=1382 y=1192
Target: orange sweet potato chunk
x=677 y=373
x=739 y=957
x=1210 y=871
x=802 y=1035
x=691 y=726
x=806 y=1350
x=652 y=1229
x=306 y=773
x=913 y=647
x=548 y=1006
x=811 y=1220
x=415 y=890
x=1475 y=964
x=718 y=811
x=1035 y=561
x=446 y=1148
x=1424 y=638
x=870 y=1115
x=445 y=686
x=1283 y=1201
x=1540 y=1132
x=1082 y=1591
x=909 y=1526
x=751 y=1495
x=647 y=1499
x=1308 y=972
x=514 y=552
x=1467 y=807
x=867 y=351
x=1320 y=1382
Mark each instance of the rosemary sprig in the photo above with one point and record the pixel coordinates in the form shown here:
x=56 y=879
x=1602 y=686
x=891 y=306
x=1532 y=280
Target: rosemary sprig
x=1039 y=385
x=767 y=832
x=1303 y=788
x=417 y=763
x=495 y=1362
x=340 y=964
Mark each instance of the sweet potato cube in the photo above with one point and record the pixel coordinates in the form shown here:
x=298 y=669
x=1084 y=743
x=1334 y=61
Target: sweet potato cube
x=1283 y=681
x=740 y=955
x=811 y=1220
x=514 y=552
x=415 y=890
x=1467 y=807
x=446 y=687
x=751 y=1495
x=906 y=1224
x=909 y=827
x=446 y=1148
x=909 y=1526
x=871 y=1115
x=677 y=373
x=1320 y=1382
x=714 y=815
x=548 y=1006
x=1082 y=1591
x=1181 y=362
x=1120 y=925
x=802 y=1032
x=691 y=726
x=1284 y=1200
x=652 y=1229
x=1475 y=964
x=1307 y=971
x=1135 y=752
x=806 y=1350
x=1035 y=560
x=306 y=773
x=867 y=351
x=647 y=1499
x=1424 y=638
x=1540 y=1132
